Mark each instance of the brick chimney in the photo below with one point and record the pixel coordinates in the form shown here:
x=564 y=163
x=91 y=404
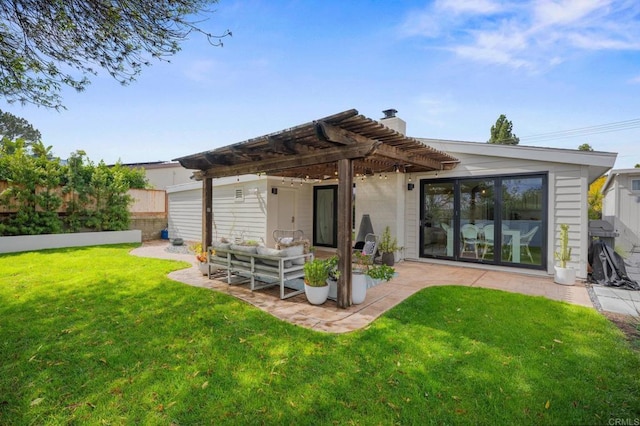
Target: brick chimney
x=391 y=121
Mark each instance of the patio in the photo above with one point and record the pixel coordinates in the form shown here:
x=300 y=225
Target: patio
x=412 y=277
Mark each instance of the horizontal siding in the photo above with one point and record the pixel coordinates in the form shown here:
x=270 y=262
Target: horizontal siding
x=570 y=204
x=185 y=215
x=240 y=218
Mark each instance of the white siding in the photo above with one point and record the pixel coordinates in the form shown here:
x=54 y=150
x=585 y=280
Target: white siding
x=567 y=200
x=244 y=217
x=568 y=205
x=621 y=207
x=185 y=215
x=384 y=201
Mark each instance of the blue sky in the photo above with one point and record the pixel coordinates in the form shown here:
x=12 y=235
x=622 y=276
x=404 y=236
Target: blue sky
x=449 y=67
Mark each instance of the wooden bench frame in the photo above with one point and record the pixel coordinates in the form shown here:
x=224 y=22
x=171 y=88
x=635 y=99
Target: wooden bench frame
x=257 y=270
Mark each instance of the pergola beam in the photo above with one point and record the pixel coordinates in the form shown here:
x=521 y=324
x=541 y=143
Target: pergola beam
x=274 y=165
x=404 y=158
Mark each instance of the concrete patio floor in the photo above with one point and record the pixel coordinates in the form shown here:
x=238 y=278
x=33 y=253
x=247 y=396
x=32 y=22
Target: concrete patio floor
x=412 y=277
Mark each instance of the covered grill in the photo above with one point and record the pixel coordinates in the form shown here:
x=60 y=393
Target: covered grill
x=604 y=231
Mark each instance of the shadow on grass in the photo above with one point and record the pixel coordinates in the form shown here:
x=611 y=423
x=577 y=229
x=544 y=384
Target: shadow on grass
x=101 y=336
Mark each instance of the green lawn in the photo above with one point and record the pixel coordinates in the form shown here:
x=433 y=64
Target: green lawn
x=96 y=336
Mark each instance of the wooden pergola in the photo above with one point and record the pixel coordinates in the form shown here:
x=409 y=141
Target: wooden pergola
x=347 y=142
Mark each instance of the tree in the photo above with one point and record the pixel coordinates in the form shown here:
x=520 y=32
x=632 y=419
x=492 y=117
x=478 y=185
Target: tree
x=48 y=44
x=594 y=198
x=585 y=147
x=12 y=128
x=502 y=132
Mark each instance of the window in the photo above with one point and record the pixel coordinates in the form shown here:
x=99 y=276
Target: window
x=635 y=184
x=494 y=219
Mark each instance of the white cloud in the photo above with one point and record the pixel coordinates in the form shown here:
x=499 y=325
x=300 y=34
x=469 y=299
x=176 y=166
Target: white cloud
x=566 y=12
x=532 y=34
x=469 y=6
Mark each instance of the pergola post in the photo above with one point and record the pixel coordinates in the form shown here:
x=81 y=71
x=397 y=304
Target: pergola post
x=207 y=213
x=345 y=226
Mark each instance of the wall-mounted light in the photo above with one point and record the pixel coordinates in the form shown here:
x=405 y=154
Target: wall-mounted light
x=410 y=187
x=274 y=191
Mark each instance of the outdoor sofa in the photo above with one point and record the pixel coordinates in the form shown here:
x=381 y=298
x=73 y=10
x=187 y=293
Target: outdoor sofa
x=262 y=267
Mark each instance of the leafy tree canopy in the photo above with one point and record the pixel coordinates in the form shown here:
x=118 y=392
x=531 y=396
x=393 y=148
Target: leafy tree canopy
x=594 y=198
x=48 y=44
x=502 y=132
x=585 y=147
x=12 y=128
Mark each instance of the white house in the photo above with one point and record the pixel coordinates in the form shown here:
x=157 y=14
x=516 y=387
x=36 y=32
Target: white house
x=513 y=198
x=621 y=206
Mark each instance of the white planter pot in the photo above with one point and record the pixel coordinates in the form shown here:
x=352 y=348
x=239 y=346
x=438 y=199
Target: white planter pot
x=358 y=288
x=316 y=295
x=564 y=276
x=204 y=268
x=333 y=289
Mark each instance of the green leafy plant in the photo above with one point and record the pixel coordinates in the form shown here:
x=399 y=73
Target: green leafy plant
x=381 y=272
x=388 y=244
x=316 y=273
x=332 y=268
x=564 y=254
x=361 y=262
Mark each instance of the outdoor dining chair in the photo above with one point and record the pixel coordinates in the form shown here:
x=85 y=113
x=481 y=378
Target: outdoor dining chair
x=469 y=234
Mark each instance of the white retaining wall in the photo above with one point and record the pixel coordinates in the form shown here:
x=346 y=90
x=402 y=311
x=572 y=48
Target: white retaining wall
x=81 y=239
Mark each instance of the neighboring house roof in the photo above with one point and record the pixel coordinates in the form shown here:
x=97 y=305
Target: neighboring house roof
x=614 y=173
x=598 y=162
x=154 y=165
x=312 y=149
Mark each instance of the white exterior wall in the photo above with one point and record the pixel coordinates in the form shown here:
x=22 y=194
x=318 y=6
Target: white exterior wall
x=568 y=184
x=384 y=201
x=164 y=175
x=302 y=210
x=621 y=207
x=240 y=210
x=568 y=204
x=253 y=215
x=185 y=211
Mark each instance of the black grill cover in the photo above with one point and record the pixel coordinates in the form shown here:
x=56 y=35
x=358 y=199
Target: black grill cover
x=607 y=267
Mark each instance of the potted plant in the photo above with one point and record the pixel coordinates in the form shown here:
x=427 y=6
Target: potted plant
x=315 y=281
x=388 y=246
x=334 y=275
x=201 y=258
x=360 y=267
x=564 y=275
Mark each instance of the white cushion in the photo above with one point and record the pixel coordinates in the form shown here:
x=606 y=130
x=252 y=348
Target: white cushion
x=296 y=250
x=368 y=247
x=246 y=249
x=266 y=251
x=220 y=245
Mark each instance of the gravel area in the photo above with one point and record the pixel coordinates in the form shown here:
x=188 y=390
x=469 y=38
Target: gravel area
x=183 y=249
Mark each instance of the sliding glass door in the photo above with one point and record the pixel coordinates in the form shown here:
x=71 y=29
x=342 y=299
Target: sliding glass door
x=495 y=219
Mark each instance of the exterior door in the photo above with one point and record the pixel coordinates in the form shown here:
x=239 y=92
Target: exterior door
x=286 y=209
x=325 y=216
x=495 y=219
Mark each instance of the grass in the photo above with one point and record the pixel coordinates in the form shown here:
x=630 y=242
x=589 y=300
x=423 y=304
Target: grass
x=96 y=336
